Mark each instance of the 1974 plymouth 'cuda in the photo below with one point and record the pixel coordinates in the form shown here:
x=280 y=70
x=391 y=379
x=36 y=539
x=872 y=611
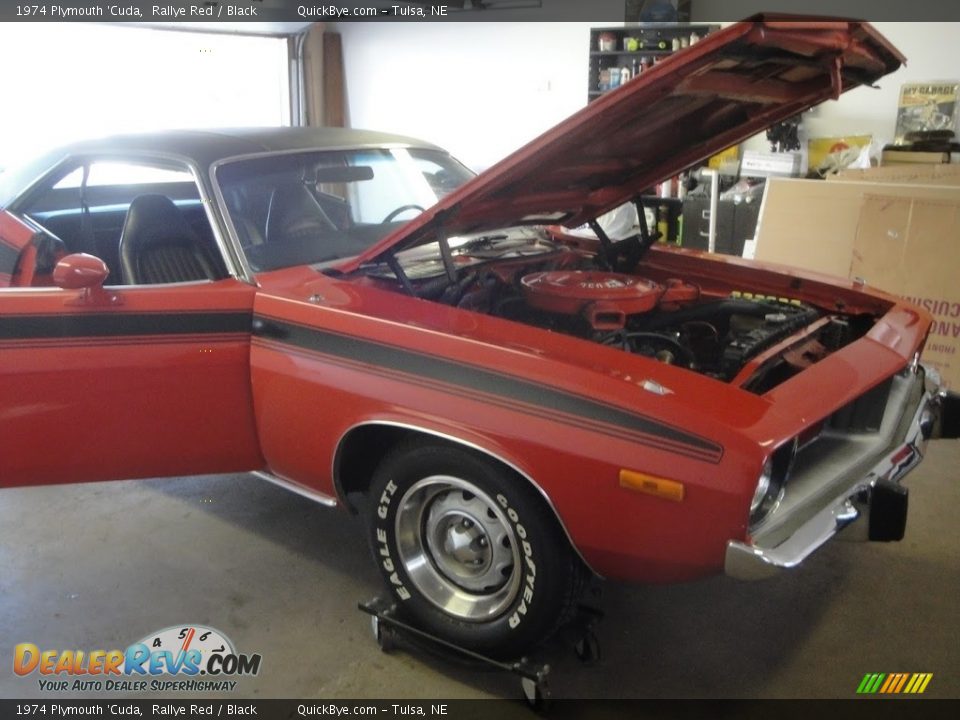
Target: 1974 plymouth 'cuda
x=354 y=316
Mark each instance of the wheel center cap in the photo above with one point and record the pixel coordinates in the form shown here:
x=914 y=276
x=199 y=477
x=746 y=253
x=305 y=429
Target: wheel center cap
x=466 y=542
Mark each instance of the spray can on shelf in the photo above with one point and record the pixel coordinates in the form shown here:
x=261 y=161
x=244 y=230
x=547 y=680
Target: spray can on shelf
x=606 y=42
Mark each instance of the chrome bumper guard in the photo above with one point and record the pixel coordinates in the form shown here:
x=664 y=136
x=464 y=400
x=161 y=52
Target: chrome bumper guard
x=833 y=482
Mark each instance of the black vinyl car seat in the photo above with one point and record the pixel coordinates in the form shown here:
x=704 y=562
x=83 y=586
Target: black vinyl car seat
x=241 y=211
x=295 y=214
x=157 y=245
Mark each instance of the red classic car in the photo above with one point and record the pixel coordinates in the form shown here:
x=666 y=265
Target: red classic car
x=353 y=316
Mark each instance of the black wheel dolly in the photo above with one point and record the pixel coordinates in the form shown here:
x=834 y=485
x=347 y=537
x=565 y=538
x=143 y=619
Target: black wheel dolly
x=388 y=630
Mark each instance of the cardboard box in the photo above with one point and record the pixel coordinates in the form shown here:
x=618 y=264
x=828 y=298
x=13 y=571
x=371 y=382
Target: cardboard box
x=913 y=174
x=812 y=223
x=913 y=157
x=769 y=164
x=909 y=246
x=902 y=238
x=727 y=162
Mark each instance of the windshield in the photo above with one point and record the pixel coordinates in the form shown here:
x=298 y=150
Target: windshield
x=315 y=207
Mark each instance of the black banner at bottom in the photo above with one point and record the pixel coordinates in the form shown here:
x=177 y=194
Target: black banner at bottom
x=860 y=709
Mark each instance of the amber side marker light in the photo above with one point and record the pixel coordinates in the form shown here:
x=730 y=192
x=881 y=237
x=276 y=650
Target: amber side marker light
x=652 y=485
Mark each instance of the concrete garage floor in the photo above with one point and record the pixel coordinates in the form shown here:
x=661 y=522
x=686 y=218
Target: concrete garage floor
x=100 y=566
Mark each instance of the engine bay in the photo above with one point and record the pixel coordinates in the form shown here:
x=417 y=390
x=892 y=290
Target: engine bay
x=525 y=276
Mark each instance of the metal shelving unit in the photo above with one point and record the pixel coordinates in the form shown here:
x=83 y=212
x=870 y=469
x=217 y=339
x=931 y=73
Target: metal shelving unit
x=652 y=43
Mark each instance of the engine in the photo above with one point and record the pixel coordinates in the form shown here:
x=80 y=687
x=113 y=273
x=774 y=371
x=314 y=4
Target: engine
x=670 y=322
x=536 y=282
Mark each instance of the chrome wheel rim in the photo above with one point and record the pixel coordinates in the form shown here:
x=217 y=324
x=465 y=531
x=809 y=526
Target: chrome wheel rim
x=458 y=548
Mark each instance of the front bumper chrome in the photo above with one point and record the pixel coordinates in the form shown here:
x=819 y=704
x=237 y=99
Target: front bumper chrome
x=832 y=484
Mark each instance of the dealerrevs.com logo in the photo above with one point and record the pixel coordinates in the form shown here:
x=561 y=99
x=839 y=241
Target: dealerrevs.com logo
x=180 y=658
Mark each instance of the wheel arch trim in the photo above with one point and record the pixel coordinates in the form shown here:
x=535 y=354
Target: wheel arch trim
x=401 y=425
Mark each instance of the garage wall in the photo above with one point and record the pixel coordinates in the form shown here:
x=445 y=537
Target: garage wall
x=484 y=89
x=481 y=90
x=933 y=53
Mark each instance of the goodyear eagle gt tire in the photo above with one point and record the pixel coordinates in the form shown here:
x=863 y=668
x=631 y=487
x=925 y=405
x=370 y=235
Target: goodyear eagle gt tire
x=470 y=550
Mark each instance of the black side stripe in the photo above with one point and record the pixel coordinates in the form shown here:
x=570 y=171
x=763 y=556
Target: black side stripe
x=96 y=324
x=543 y=397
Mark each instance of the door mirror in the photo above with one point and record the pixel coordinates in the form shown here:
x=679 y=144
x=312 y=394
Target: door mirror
x=80 y=272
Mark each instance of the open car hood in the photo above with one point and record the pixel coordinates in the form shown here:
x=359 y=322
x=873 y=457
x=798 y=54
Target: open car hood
x=695 y=103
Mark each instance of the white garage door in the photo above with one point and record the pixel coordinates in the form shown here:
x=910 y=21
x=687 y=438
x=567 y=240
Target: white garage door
x=66 y=81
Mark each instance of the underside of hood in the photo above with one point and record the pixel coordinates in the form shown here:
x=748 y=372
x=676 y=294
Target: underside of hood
x=697 y=102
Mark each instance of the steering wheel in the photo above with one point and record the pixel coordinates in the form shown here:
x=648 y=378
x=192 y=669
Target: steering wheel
x=403 y=208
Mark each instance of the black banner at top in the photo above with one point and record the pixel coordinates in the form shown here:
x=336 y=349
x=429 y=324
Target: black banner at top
x=273 y=12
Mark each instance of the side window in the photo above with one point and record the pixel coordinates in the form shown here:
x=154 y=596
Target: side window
x=119 y=173
x=146 y=221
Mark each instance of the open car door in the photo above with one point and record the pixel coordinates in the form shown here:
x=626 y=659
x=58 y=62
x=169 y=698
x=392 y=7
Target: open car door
x=109 y=383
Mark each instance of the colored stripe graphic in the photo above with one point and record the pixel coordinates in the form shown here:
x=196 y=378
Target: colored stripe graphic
x=554 y=402
x=894 y=683
x=119 y=324
x=870 y=683
x=899 y=686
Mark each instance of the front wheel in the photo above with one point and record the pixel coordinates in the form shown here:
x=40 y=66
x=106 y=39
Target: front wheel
x=469 y=549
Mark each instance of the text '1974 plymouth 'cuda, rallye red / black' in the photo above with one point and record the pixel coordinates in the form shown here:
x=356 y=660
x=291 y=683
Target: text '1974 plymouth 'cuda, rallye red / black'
x=356 y=317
